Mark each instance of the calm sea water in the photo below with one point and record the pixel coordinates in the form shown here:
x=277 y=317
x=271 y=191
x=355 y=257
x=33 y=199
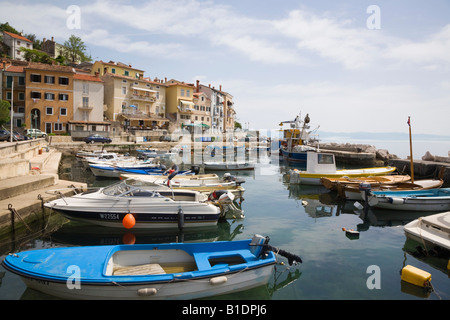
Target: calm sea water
x=304 y=220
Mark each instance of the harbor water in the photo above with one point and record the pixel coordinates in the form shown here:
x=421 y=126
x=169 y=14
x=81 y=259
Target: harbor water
x=305 y=220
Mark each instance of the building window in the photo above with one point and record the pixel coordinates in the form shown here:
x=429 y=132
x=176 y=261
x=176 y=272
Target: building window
x=8 y=95
x=188 y=93
x=49 y=79
x=21 y=96
x=63 y=111
x=182 y=92
x=126 y=73
x=113 y=70
x=49 y=96
x=124 y=90
x=64 y=81
x=9 y=81
x=35 y=77
x=124 y=81
x=49 y=111
x=35 y=95
x=85 y=102
x=85 y=88
x=63 y=97
x=59 y=126
x=21 y=81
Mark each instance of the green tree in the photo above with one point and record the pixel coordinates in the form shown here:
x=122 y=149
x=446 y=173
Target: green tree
x=5 y=112
x=6 y=27
x=237 y=125
x=75 y=50
x=36 y=55
x=37 y=44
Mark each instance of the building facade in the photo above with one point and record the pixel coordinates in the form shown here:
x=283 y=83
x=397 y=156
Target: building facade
x=13 y=90
x=15 y=42
x=48 y=97
x=116 y=68
x=135 y=102
x=88 y=106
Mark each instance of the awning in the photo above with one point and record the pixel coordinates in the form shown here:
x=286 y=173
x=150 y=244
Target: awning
x=142 y=89
x=90 y=123
x=190 y=103
x=202 y=125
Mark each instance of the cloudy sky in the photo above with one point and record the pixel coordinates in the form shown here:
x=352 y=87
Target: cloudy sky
x=353 y=65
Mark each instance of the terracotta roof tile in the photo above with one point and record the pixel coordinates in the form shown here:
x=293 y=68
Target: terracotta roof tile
x=86 y=77
x=17 y=36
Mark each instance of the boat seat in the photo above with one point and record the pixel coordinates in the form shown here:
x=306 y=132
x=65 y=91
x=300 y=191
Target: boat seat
x=139 y=270
x=202 y=259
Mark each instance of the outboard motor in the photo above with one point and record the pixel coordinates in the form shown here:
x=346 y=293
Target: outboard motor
x=195 y=169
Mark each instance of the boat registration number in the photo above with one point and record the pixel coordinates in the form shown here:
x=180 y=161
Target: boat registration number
x=109 y=216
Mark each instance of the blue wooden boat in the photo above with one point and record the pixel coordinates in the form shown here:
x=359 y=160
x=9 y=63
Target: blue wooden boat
x=148 y=271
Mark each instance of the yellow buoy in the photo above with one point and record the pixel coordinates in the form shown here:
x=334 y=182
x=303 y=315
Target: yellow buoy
x=416 y=276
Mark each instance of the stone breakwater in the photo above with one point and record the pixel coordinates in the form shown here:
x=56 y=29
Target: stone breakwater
x=362 y=154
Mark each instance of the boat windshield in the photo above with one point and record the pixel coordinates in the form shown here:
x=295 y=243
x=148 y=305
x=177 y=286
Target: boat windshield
x=125 y=189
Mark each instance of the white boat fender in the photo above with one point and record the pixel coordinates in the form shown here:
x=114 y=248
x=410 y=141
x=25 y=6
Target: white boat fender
x=396 y=200
x=180 y=219
x=218 y=280
x=145 y=292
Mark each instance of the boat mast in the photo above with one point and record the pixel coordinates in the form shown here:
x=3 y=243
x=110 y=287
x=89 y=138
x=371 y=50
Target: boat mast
x=410 y=150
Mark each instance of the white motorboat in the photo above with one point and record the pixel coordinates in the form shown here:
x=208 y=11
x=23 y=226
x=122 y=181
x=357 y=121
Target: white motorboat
x=433 y=230
x=228 y=166
x=150 y=206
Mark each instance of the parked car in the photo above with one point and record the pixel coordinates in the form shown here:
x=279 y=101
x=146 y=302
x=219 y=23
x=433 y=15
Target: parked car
x=97 y=138
x=35 y=133
x=4 y=135
x=20 y=137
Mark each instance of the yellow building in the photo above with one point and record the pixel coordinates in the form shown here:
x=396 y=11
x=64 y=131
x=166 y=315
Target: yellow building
x=48 y=97
x=116 y=68
x=179 y=102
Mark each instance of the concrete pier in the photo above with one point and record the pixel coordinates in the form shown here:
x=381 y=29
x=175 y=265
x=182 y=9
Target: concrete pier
x=27 y=187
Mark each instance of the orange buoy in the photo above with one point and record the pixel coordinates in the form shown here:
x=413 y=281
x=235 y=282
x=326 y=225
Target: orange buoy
x=129 y=221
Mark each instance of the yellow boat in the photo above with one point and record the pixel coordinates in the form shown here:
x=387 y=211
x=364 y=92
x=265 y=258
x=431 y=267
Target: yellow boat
x=323 y=165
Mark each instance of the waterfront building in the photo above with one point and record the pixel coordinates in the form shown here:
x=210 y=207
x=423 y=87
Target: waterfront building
x=88 y=106
x=15 y=42
x=13 y=90
x=229 y=112
x=48 y=97
x=116 y=68
x=137 y=103
x=217 y=99
x=180 y=105
x=201 y=116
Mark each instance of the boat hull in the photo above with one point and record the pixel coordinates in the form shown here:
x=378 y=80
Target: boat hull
x=434 y=230
x=421 y=200
x=302 y=177
x=149 y=211
x=297 y=157
x=228 y=166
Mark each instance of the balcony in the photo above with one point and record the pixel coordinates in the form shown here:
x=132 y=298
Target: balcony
x=85 y=107
x=140 y=97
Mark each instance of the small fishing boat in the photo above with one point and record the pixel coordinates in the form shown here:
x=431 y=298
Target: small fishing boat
x=203 y=183
x=432 y=230
x=228 y=166
x=149 y=206
x=294 y=147
x=148 y=271
x=411 y=200
x=353 y=192
x=323 y=165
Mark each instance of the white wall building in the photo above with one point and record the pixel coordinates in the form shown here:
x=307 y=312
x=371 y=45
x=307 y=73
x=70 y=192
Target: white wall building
x=15 y=42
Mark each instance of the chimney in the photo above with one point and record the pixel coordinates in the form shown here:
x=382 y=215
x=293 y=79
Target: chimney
x=52 y=40
x=198 y=86
x=220 y=87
